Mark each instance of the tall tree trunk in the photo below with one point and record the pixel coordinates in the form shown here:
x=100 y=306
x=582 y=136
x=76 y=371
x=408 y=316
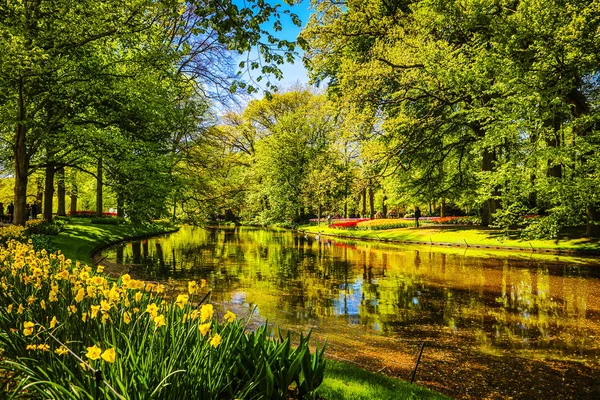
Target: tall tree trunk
x=21 y=163
x=99 y=189
x=443 y=208
x=48 y=193
x=61 y=192
x=319 y=215
x=490 y=205
x=364 y=203
x=593 y=225
x=39 y=198
x=384 y=206
x=74 y=195
x=371 y=202
x=120 y=206
x=554 y=170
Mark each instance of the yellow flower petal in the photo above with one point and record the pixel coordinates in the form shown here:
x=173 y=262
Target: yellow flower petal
x=109 y=355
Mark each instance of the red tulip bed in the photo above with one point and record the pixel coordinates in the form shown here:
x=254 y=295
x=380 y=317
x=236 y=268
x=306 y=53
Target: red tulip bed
x=347 y=223
x=90 y=214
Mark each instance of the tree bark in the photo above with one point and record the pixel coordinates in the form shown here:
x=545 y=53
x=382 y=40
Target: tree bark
x=443 y=208
x=61 y=192
x=593 y=216
x=490 y=205
x=74 y=195
x=99 y=189
x=48 y=193
x=364 y=203
x=39 y=198
x=371 y=203
x=120 y=206
x=384 y=206
x=21 y=163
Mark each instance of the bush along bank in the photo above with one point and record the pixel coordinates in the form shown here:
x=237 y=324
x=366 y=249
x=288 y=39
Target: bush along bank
x=69 y=332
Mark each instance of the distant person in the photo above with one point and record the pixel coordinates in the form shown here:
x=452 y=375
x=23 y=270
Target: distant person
x=417 y=216
x=329 y=220
x=11 y=211
x=28 y=211
x=1 y=210
x=34 y=210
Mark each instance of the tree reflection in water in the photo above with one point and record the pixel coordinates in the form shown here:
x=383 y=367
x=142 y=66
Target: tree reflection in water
x=537 y=308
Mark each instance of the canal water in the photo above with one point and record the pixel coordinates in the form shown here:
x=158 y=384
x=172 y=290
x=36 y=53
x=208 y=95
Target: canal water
x=494 y=325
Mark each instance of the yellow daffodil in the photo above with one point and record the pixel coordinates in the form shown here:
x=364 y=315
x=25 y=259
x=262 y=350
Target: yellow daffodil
x=53 y=322
x=21 y=309
x=126 y=317
x=61 y=351
x=94 y=311
x=159 y=321
x=84 y=317
x=182 y=300
x=93 y=352
x=206 y=312
x=203 y=283
x=100 y=269
x=192 y=287
x=105 y=306
x=72 y=309
x=229 y=316
x=204 y=328
x=80 y=295
x=31 y=300
x=138 y=296
x=28 y=328
x=43 y=304
x=152 y=309
x=64 y=274
x=43 y=347
x=9 y=308
x=31 y=347
x=109 y=355
x=216 y=340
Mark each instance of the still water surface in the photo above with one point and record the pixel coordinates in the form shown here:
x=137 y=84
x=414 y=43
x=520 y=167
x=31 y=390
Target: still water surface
x=376 y=303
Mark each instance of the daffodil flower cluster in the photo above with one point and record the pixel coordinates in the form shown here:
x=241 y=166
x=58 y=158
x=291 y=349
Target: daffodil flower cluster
x=60 y=319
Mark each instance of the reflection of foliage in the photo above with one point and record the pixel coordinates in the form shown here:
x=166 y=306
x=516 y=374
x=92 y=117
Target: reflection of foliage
x=300 y=279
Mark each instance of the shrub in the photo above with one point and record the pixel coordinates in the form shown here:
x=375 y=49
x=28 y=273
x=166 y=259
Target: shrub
x=41 y=227
x=61 y=323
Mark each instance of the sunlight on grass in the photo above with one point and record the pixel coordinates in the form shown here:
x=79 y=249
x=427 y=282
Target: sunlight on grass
x=346 y=382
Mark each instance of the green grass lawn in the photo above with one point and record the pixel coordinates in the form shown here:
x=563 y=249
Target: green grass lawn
x=345 y=381
x=80 y=237
x=572 y=240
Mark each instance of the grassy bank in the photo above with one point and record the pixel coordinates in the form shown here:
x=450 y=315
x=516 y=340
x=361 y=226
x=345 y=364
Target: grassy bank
x=345 y=381
x=80 y=237
x=465 y=236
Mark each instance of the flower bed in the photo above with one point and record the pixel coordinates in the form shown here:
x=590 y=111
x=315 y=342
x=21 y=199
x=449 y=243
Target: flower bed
x=89 y=214
x=347 y=223
x=63 y=325
x=455 y=221
x=381 y=224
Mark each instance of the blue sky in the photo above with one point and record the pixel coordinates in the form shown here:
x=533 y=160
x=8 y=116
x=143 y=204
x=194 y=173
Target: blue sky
x=292 y=73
